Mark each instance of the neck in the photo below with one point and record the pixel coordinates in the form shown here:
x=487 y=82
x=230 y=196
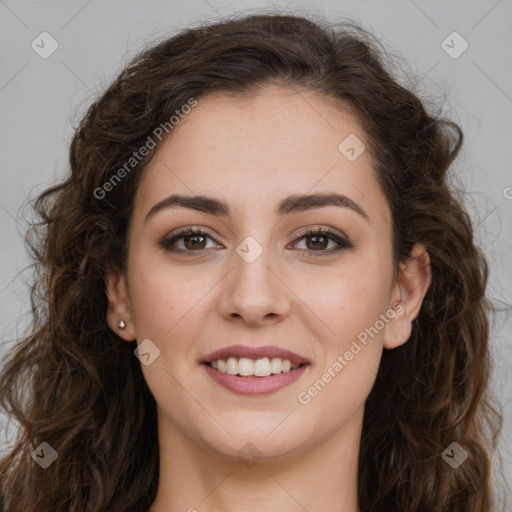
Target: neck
x=194 y=478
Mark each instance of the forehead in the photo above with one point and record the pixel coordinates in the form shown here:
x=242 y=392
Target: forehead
x=255 y=150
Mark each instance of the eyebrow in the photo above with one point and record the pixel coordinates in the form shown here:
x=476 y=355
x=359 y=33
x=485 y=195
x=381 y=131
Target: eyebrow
x=291 y=204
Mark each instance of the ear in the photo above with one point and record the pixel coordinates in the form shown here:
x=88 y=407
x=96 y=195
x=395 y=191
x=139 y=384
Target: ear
x=119 y=305
x=407 y=296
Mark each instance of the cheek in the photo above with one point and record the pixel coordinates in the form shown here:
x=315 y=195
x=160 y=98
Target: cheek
x=163 y=295
x=345 y=300
x=350 y=305
x=350 y=349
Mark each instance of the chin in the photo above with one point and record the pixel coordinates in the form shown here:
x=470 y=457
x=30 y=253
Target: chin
x=258 y=435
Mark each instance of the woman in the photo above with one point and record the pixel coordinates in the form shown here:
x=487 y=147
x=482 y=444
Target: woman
x=256 y=291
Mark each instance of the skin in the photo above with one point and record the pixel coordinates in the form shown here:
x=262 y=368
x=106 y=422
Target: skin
x=252 y=154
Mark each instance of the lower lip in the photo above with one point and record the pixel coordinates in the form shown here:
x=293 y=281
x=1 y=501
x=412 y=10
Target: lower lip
x=255 y=385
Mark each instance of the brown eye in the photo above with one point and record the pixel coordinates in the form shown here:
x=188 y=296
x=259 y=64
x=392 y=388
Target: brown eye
x=193 y=240
x=317 y=240
x=316 y=244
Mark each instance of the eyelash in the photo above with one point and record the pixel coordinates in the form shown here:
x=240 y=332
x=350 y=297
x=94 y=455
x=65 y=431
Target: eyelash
x=343 y=243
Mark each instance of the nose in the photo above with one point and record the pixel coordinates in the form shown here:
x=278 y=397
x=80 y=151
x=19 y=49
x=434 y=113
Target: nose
x=254 y=292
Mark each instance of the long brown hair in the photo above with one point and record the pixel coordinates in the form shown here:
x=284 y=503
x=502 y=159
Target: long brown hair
x=73 y=384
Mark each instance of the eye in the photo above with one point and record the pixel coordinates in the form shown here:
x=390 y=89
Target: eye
x=194 y=240
x=320 y=239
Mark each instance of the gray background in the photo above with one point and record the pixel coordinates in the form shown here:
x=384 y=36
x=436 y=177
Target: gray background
x=41 y=99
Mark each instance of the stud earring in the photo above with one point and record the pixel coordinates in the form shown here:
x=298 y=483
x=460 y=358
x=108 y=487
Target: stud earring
x=121 y=325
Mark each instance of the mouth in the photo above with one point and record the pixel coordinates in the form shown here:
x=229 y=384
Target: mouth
x=254 y=370
x=261 y=361
x=252 y=384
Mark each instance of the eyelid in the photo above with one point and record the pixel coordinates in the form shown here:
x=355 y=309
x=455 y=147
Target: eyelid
x=320 y=228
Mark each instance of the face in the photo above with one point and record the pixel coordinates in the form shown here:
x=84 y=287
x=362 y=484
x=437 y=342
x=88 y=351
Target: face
x=252 y=277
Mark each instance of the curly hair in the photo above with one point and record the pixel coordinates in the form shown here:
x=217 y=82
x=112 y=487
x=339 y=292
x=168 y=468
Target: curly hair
x=83 y=390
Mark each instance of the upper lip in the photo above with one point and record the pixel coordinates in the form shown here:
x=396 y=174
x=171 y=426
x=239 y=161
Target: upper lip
x=254 y=353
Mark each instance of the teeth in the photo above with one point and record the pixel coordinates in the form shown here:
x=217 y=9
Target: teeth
x=276 y=365
x=262 y=367
x=249 y=367
x=231 y=366
x=245 y=366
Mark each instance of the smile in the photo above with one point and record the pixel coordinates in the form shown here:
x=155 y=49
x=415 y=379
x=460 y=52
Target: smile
x=246 y=367
x=251 y=383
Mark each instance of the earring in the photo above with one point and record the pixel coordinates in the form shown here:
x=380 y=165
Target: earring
x=121 y=325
